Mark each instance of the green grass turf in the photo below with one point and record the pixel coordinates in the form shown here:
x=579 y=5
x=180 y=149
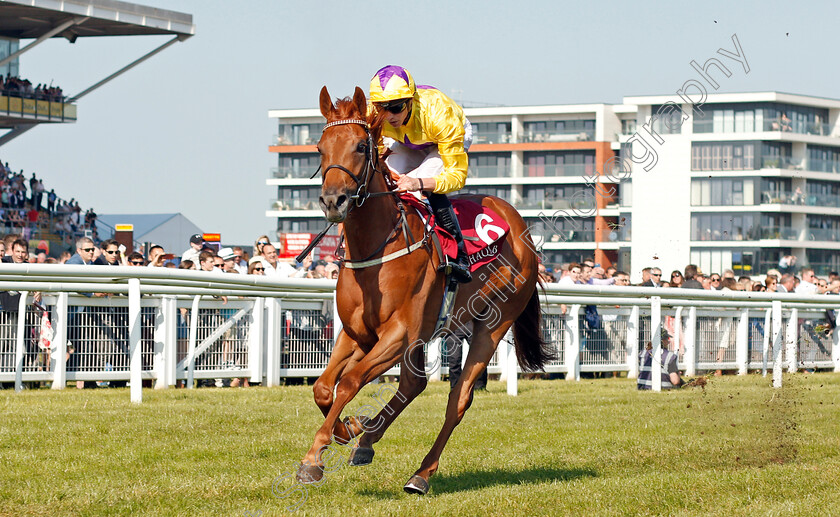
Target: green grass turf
x=598 y=447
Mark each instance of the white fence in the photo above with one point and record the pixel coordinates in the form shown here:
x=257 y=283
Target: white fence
x=268 y=329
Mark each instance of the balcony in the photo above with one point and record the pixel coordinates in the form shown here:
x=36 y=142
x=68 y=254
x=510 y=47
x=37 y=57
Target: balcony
x=302 y=138
x=491 y=137
x=822 y=234
x=780 y=162
x=294 y=204
x=586 y=203
x=580 y=236
x=488 y=171
x=292 y=172
x=556 y=136
x=785 y=233
x=786 y=197
x=553 y=170
x=823 y=165
x=785 y=125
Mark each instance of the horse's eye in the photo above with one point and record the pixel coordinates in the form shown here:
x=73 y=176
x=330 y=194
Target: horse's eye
x=361 y=148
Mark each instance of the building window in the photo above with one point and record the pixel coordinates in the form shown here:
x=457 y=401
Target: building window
x=491 y=132
x=667 y=119
x=823 y=159
x=573 y=197
x=777 y=155
x=822 y=193
x=823 y=262
x=725 y=227
x=304 y=225
x=562 y=229
x=723 y=192
x=500 y=192
x=776 y=191
x=299 y=134
x=823 y=227
x=297 y=198
x=489 y=165
x=560 y=163
x=760 y=116
x=296 y=166
x=743 y=261
x=723 y=156
x=558 y=131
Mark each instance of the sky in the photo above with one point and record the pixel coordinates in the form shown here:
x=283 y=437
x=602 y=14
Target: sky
x=188 y=130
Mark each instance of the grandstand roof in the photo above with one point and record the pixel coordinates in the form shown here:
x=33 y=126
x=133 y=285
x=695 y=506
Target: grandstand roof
x=25 y=19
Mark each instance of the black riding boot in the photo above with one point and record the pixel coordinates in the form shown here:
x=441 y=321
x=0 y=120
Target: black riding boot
x=445 y=216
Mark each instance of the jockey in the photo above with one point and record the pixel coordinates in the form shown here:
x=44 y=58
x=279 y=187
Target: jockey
x=425 y=143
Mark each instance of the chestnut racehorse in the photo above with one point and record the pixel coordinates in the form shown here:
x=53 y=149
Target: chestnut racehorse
x=389 y=307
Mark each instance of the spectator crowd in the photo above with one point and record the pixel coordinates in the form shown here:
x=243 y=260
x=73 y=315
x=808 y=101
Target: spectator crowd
x=27 y=209
x=785 y=279
x=16 y=87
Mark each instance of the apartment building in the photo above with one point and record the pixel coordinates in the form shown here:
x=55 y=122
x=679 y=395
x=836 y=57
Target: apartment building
x=738 y=181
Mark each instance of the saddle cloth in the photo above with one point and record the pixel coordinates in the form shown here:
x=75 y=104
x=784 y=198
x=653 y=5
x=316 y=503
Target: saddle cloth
x=482 y=229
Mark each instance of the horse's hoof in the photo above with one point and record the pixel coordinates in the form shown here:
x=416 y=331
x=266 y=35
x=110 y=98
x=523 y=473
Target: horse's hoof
x=308 y=474
x=417 y=485
x=360 y=456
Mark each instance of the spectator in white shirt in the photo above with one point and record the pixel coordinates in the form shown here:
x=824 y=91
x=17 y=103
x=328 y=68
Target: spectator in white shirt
x=274 y=267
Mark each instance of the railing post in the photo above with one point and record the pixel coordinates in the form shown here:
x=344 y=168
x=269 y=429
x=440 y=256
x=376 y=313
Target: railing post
x=193 y=338
x=134 y=334
x=633 y=343
x=433 y=357
x=59 y=348
x=791 y=340
x=765 y=341
x=835 y=341
x=573 y=344
x=690 y=354
x=165 y=342
x=777 y=343
x=337 y=325
x=742 y=342
x=510 y=364
x=677 y=330
x=274 y=342
x=255 y=340
x=19 y=341
x=656 y=341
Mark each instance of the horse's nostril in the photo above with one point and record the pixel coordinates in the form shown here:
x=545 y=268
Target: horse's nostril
x=341 y=200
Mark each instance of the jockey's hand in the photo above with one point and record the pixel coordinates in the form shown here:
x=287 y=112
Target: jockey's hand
x=408 y=184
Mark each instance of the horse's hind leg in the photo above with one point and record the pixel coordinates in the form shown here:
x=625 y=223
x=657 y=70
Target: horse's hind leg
x=344 y=356
x=412 y=382
x=482 y=346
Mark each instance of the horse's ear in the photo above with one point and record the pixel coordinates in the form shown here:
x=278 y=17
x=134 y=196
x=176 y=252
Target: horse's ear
x=360 y=101
x=327 y=108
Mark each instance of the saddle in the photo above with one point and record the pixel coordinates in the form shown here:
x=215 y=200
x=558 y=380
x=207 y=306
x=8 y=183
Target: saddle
x=481 y=227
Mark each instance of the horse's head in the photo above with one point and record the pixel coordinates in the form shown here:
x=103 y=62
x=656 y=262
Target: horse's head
x=345 y=150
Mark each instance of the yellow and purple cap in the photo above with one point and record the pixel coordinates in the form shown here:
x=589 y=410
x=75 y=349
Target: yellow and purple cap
x=391 y=83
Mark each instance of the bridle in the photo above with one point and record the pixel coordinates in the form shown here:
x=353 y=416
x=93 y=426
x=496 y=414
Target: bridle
x=362 y=194
x=371 y=163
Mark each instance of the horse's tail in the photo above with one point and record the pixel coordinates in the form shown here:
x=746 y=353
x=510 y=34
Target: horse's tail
x=532 y=351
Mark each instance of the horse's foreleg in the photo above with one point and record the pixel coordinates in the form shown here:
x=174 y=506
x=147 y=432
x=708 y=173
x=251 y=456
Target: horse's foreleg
x=482 y=346
x=346 y=353
x=383 y=356
x=411 y=384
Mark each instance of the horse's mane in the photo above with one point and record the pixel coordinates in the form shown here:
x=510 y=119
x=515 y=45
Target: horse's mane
x=346 y=108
